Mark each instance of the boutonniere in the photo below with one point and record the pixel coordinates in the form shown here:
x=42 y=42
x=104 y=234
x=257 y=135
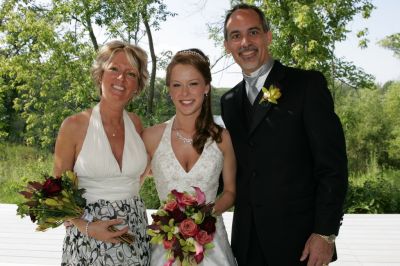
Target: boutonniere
x=270 y=95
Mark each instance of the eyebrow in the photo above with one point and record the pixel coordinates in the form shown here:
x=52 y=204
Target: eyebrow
x=254 y=28
x=249 y=29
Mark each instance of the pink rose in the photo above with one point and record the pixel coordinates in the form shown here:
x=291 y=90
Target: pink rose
x=188 y=228
x=171 y=205
x=188 y=200
x=203 y=237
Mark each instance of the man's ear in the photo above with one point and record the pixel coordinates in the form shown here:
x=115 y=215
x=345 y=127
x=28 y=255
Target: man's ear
x=269 y=37
x=226 y=47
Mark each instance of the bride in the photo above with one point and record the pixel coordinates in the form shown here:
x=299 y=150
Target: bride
x=191 y=150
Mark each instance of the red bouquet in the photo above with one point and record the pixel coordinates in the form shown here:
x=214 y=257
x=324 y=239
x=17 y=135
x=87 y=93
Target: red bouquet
x=185 y=226
x=51 y=202
x=55 y=200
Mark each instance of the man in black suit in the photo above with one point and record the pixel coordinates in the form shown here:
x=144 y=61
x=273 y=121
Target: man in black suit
x=290 y=148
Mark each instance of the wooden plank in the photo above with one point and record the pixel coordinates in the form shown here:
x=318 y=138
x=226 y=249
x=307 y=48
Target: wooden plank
x=364 y=239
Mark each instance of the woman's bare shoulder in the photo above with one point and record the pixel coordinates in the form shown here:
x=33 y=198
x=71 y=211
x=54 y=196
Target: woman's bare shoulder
x=154 y=131
x=76 y=123
x=137 y=122
x=152 y=137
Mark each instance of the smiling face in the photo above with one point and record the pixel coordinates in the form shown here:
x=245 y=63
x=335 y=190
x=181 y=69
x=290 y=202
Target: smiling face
x=120 y=79
x=187 y=88
x=246 y=40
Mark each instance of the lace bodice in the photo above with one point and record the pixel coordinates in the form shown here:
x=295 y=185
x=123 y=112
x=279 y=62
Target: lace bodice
x=169 y=174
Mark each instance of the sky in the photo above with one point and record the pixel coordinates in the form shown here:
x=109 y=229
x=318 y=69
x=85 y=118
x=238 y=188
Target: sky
x=188 y=29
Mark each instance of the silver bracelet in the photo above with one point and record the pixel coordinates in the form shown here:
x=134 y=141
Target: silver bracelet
x=87 y=217
x=86 y=229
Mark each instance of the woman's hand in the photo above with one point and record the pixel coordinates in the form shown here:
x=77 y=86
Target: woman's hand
x=99 y=229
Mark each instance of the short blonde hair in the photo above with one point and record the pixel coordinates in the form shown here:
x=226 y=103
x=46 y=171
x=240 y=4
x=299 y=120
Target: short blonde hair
x=135 y=55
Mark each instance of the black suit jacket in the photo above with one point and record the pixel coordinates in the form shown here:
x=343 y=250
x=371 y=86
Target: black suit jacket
x=292 y=165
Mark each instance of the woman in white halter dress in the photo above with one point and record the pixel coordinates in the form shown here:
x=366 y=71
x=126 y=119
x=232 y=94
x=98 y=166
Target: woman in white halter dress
x=111 y=193
x=179 y=162
x=104 y=148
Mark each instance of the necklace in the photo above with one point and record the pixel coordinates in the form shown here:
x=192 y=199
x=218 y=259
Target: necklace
x=183 y=138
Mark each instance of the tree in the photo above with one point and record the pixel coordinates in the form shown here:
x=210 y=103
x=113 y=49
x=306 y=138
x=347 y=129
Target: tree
x=47 y=48
x=392 y=42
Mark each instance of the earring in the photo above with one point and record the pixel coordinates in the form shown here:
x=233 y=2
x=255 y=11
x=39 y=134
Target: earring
x=206 y=94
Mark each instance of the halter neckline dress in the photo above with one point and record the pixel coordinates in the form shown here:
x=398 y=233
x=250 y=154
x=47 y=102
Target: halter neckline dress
x=111 y=192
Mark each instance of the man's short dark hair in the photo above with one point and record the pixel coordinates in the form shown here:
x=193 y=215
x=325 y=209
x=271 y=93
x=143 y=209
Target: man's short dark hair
x=261 y=15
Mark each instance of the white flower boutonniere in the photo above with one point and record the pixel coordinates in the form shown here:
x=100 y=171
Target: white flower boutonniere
x=271 y=95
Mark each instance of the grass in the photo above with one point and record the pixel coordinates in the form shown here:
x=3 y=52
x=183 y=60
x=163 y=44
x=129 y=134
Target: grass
x=18 y=164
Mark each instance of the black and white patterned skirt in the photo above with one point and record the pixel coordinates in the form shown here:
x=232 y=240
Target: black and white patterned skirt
x=79 y=249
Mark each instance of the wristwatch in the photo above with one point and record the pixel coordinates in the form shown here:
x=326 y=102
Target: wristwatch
x=330 y=239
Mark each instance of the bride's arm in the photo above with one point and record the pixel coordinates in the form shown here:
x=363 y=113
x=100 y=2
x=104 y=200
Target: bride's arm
x=227 y=198
x=151 y=137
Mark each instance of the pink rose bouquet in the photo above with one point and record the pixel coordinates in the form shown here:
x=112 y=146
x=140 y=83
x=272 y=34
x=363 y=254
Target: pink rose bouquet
x=185 y=226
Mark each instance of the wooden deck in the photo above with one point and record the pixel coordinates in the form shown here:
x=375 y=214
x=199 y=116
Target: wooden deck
x=364 y=240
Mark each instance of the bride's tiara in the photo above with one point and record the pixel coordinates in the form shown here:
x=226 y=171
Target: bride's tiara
x=191 y=52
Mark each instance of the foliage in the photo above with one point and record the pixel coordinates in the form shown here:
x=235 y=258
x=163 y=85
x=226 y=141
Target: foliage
x=392 y=42
x=34 y=43
x=149 y=194
x=376 y=191
x=163 y=106
x=371 y=125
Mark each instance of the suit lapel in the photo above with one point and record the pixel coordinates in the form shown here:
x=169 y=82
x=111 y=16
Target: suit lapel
x=261 y=110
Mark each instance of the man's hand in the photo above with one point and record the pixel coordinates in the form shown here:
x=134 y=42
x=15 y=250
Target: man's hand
x=318 y=251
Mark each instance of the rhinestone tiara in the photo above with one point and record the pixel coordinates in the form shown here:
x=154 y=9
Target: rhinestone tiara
x=193 y=53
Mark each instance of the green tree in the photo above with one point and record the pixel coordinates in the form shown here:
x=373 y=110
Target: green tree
x=391 y=108
x=47 y=48
x=44 y=65
x=392 y=42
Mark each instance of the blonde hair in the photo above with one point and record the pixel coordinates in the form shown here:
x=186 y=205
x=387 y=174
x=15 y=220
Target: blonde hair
x=135 y=55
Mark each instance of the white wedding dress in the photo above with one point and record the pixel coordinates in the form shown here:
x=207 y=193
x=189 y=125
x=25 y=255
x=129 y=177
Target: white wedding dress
x=169 y=174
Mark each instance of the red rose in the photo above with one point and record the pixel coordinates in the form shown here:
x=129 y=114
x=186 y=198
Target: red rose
x=203 y=237
x=51 y=187
x=171 y=205
x=188 y=228
x=208 y=224
x=178 y=215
